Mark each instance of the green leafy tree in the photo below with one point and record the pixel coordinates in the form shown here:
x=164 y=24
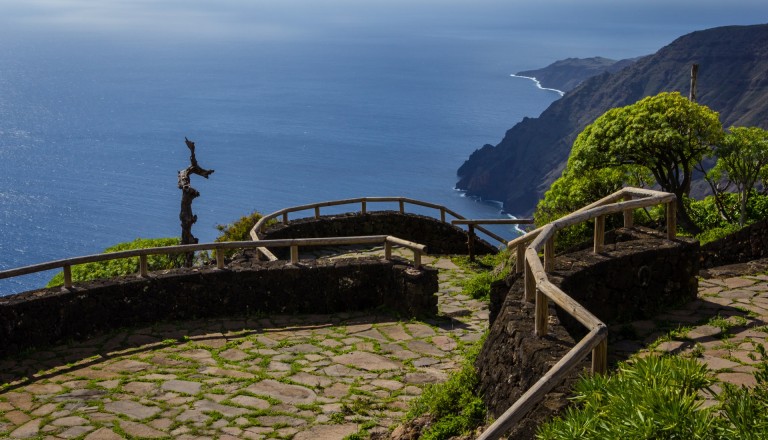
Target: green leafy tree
x=666 y=134
x=742 y=162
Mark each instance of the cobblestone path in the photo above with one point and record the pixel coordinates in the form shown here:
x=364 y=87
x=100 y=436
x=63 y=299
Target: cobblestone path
x=300 y=377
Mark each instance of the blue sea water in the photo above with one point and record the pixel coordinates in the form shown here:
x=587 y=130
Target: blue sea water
x=92 y=122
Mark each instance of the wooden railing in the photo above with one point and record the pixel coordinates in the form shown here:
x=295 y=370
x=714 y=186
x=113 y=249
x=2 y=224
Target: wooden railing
x=363 y=201
x=386 y=240
x=538 y=288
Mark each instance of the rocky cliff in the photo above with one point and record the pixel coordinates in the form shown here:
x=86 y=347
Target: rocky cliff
x=732 y=80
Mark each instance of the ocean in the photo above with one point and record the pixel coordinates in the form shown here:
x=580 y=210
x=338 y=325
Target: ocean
x=93 y=118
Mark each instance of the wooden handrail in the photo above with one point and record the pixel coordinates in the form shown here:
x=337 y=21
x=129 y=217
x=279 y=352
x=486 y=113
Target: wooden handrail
x=363 y=201
x=538 y=287
x=293 y=243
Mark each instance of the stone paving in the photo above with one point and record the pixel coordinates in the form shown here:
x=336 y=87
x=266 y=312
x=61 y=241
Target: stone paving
x=321 y=376
x=301 y=377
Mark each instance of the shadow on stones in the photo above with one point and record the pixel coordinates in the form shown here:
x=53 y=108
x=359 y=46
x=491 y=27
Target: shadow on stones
x=42 y=363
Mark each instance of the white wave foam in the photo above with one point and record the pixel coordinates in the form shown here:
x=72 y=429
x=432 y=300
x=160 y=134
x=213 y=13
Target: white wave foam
x=538 y=84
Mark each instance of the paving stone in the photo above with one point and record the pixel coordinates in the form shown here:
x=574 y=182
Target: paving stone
x=703 y=331
x=284 y=392
x=280 y=420
x=17 y=417
x=716 y=363
x=131 y=409
x=736 y=282
x=327 y=432
x=310 y=380
x=140 y=430
x=222 y=372
x=336 y=390
x=233 y=355
x=251 y=402
x=228 y=411
x=424 y=348
x=76 y=431
x=738 y=379
x=182 y=386
x=367 y=361
x=70 y=421
x=420 y=330
x=27 y=430
x=103 y=434
x=425 y=377
x=127 y=366
x=395 y=332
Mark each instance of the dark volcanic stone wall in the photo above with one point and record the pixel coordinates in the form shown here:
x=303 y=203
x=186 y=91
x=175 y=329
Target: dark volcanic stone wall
x=42 y=317
x=440 y=238
x=629 y=280
x=748 y=244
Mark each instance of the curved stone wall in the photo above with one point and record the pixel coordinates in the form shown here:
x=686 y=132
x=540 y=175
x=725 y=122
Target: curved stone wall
x=439 y=237
x=42 y=317
x=632 y=278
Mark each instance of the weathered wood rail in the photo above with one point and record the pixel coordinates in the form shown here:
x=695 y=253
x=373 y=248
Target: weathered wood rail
x=66 y=264
x=538 y=288
x=363 y=202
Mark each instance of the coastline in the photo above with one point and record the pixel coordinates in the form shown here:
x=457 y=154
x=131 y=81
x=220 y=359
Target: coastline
x=538 y=83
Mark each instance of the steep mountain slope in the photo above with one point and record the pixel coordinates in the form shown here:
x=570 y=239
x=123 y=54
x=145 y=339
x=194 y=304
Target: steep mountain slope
x=733 y=80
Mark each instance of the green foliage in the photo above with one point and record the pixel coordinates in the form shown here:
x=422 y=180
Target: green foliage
x=662 y=136
x=487 y=269
x=657 y=397
x=239 y=230
x=454 y=404
x=123 y=266
x=652 y=398
x=742 y=162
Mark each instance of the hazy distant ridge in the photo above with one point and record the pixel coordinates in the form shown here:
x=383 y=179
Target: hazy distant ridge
x=732 y=80
x=567 y=74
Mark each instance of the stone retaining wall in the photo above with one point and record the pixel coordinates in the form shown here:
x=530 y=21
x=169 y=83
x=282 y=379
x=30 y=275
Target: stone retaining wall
x=439 y=237
x=42 y=317
x=629 y=280
x=748 y=244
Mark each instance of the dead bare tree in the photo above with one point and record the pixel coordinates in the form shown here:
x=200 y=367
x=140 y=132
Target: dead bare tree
x=187 y=195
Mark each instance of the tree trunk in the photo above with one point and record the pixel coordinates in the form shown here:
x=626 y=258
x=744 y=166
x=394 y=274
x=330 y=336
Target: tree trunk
x=188 y=194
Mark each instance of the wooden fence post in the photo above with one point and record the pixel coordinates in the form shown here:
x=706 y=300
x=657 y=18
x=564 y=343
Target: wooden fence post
x=530 y=283
x=600 y=357
x=520 y=263
x=549 y=255
x=285 y=218
x=294 y=254
x=471 y=241
x=599 y=233
x=317 y=212
x=68 y=277
x=629 y=219
x=387 y=250
x=442 y=215
x=402 y=207
x=542 y=313
x=143 y=269
x=219 y=258
x=363 y=208
x=671 y=220
x=416 y=259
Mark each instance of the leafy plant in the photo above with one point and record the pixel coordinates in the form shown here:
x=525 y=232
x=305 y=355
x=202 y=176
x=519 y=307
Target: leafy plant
x=239 y=230
x=123 y=266
x=454 y=404
x=487 y=269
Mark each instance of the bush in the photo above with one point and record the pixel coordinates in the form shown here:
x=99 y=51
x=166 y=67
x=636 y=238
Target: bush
x=454 y=404
x=239 y=230
x=123 y=266
x=657 y=397
x=487 y=268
